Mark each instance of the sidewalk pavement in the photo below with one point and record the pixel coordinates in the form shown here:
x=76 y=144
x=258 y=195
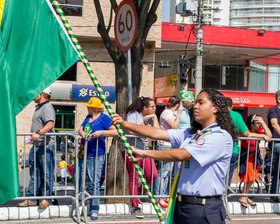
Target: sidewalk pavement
x=63 y=211
x=151 y=219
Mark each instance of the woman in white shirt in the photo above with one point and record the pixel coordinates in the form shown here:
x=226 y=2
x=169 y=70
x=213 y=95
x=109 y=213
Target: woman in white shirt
x=168 y=120
x=141 y=111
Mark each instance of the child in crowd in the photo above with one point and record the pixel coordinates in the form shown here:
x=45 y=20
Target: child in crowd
x=62 y=169
x=250 y=158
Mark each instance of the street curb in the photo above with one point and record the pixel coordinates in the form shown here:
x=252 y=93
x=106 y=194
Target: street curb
x=63 y=211
x=235 y=208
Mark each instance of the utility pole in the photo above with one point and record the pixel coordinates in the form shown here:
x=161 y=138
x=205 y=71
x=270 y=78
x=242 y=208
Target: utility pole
x=199 y=51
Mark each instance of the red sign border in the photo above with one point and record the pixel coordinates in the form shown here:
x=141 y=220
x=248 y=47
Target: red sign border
x=121 y=47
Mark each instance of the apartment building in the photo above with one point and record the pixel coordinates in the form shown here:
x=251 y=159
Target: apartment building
x=179 y=11
x=256 y=14
x=250 y=14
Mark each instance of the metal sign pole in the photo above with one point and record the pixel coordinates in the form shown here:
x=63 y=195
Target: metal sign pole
x=129 y=77
x=199 y=51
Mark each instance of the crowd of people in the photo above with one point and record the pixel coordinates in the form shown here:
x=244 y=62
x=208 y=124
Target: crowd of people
x=196 y=136
x=251 y=162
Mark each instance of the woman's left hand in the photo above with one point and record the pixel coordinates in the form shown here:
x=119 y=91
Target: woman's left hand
x=259 y=120
x=137 y=155
x=148 y=117
x=116 y=119
x=267 y=138
x=95 y=134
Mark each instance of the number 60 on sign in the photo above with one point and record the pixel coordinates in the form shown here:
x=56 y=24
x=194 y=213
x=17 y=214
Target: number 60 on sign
x=125 y=25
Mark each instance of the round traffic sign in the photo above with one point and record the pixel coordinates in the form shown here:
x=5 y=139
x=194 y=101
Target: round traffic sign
x=125 y=25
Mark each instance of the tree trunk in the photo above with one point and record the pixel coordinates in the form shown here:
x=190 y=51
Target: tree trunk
x=146 y=17
x=115 y=165
x=116 y=175
x=136 y=70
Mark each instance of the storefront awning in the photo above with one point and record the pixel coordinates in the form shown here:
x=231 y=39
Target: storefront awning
x=242 y=99
x=221 y=45
x=251 y=99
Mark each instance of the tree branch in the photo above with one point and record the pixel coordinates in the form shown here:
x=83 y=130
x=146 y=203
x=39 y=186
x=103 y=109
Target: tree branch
x=151 y=19
x=136 y=4
x=102 y=31
x=142 y=17
x=147 y=17
x=154 y=6
x=114 y=5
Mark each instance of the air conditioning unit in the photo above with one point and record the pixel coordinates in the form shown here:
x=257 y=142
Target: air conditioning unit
x=186 y=8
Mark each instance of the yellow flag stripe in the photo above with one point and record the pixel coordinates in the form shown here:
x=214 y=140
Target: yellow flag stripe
x=2 y=3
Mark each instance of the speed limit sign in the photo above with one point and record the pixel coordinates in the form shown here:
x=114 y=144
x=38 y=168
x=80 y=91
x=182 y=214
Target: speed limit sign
x=125 y=25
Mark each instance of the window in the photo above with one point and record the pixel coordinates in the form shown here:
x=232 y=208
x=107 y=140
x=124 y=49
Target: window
x=72 y=7
x=212 y=77
x=257 y=77
x=234 y=78
x=70 y=74
x=65 y=117
x=274 y=79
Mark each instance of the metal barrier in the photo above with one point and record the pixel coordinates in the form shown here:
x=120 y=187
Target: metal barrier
x=265 y=175
x=150 y=176
x=79 y=192
x=40 y=187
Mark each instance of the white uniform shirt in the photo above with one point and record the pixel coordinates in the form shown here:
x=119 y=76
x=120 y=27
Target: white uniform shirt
x=204 y=174
x=138 y=142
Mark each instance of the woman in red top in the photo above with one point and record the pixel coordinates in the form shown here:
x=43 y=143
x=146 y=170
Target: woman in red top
x=256 y=124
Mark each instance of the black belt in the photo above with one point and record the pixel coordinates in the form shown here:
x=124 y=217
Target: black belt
x=197 y=200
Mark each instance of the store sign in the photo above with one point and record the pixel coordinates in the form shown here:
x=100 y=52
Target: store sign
x=85 y=92
x=240 y=100
x=251 y=99
x=166 y=86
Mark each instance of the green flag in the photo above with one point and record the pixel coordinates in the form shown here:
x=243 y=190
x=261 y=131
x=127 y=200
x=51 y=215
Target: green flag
x=34 y=52
x=8 y=155
x=172 y=199
x=87 y=130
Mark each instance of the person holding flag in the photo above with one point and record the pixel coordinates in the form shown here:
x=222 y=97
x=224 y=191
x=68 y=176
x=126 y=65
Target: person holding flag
x=95 y=127
x=205 y=150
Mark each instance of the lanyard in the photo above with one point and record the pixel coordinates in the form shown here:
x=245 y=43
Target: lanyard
x=198 y=135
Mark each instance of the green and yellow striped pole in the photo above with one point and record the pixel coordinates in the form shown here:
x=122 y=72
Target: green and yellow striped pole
x=107 y=106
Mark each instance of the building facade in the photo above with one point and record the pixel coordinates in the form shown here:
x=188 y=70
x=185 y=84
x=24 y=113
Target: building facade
x=257 y=14
x=236 y=61
x=237 y=69
x=74 y=88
